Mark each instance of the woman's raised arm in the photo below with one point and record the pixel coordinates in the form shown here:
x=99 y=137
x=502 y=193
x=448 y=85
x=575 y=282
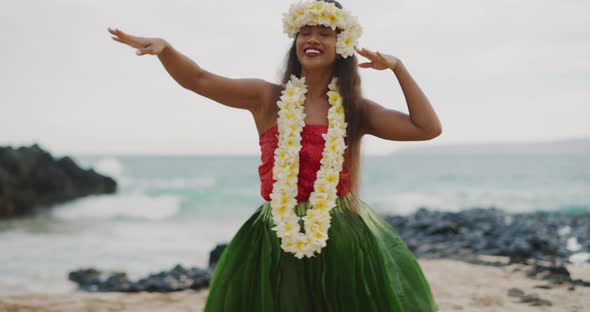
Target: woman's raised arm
x=421 y=124
x=244 y=93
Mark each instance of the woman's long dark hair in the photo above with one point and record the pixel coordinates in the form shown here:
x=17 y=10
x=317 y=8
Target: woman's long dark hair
x=349 y=83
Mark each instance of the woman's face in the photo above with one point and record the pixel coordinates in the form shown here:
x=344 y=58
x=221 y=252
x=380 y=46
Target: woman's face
x=316 y=46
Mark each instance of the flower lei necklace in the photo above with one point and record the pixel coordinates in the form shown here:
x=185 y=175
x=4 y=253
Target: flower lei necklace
x=286 y=170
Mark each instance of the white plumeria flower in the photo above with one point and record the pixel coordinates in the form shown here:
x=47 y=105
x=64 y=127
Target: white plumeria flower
x=331 y=137
x=345 y=43
x=314 y=196
x=334 y=97
x=287 y=244
x=317 y=234
x=288 y=116
x=322 y=205
x=302 y=245
x=321 y=218
x=309 y=252
x=298 y=82
x=324 y=17
x=289 y=226
x=329 y=176
x=320 y=185
x=333 y=84
x=292 y=127
x=291 y=94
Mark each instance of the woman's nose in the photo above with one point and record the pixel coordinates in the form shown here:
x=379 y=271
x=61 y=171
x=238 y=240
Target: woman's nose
x=313 y=38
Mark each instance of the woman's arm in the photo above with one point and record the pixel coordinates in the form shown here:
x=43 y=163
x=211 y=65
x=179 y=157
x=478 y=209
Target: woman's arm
x=421 y=124
x=246 y=93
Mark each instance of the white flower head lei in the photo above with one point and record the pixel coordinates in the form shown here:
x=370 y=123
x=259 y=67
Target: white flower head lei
x=316 y=221
x=317 y=12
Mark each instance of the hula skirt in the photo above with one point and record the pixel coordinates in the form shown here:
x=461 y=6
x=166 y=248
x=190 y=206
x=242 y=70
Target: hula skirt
x=365 y=266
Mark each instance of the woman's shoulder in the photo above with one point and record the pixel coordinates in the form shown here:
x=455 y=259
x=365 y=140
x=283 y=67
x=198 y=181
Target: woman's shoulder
x=272 y=95
x=266 y=116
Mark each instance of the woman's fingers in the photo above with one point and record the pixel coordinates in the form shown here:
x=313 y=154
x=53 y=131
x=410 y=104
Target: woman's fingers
x=372 y=56
x=133 y=41
x=361 y=51
x=117 y=39
x=143 y=45
x=118 y=32
x=366 y=65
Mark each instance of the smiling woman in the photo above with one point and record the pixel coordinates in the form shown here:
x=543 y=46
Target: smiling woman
x=315 y=41
x=288 y=256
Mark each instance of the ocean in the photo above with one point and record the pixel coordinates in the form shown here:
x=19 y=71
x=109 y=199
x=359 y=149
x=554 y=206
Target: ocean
x=174 y=209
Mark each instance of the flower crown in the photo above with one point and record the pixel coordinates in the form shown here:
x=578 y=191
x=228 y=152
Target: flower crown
x=328 y=14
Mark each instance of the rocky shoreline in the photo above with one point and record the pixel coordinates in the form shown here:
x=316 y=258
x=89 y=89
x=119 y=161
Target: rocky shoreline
x=31 y=179
x=538 y=236
x=542 y=242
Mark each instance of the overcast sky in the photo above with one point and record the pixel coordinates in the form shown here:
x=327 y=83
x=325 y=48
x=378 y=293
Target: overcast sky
x=495 y=71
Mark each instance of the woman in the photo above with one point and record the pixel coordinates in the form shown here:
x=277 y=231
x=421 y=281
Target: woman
x=314 y=245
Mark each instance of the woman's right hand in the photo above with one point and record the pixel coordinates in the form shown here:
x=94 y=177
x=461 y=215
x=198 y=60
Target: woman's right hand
x=153 y=46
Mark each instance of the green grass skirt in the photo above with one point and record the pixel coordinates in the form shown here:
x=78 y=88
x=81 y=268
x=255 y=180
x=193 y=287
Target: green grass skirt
x=364 y=267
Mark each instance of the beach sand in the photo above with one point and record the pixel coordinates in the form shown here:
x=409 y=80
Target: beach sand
x=456 y=285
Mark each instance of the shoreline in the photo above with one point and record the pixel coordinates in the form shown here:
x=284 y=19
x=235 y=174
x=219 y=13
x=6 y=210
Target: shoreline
x=456 y=286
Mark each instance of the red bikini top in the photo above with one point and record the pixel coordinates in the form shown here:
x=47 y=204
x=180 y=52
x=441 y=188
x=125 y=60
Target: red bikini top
x=312 y=146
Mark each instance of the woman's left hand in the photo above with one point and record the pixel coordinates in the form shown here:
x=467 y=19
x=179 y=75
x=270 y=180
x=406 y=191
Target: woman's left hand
x=379 y=61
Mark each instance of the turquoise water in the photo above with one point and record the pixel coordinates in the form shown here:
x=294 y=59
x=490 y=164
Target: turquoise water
x=173 y=210
x=228 y=187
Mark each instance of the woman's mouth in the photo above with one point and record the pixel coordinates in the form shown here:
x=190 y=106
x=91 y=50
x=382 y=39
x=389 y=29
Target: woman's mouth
x=312 y=52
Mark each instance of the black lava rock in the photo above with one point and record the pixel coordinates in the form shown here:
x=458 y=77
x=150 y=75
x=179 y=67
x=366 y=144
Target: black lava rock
x=30 y=178
x=176 y=279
